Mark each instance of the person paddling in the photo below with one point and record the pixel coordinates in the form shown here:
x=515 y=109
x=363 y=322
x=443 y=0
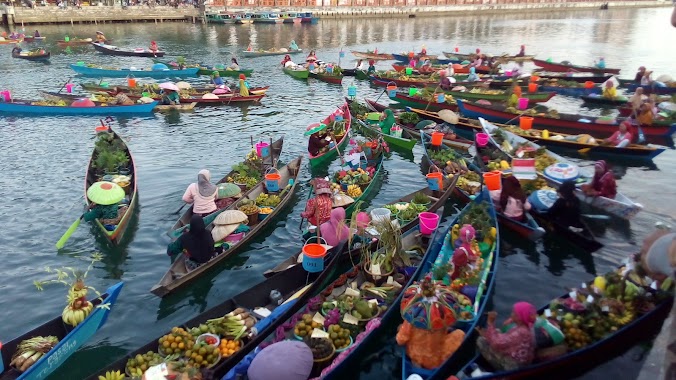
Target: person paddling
x=202 y=194
x=196 y=243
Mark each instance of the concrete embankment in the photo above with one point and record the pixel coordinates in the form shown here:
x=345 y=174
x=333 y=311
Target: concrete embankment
x=102 y=14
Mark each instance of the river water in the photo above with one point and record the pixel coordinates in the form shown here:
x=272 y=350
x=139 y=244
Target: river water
x=45 y=158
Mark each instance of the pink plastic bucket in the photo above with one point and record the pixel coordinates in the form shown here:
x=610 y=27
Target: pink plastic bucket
x=429 y=222
x=69 y=87
x=234 y=238
x=481 y=139
x=523 y=103
x=262 y=149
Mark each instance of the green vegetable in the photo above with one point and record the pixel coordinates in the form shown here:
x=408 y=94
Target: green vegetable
x=420 y=198
x=409 y=118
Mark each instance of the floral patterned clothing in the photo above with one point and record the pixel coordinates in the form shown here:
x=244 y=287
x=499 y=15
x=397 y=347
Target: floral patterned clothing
x=318 y=210
x=517 y=344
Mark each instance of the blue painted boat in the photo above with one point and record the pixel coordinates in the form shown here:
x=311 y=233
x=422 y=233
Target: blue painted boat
x=571 y=91
x=652 y=89
x=70 y=339
x=123 y=73
x=25 y=108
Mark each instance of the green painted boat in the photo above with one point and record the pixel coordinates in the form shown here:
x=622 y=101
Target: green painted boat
x=298 y=74
x=503 y=96
x=361 y=75
x=405 y=142
x=333 y=152
x=328 y=78
x=203 y=70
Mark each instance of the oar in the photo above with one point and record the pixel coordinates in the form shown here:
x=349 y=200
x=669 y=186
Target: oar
x=69 y=231
x=596 y=216
x=180 y=208
x=64 y=85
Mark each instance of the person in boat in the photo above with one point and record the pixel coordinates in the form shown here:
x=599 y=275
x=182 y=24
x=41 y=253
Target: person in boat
x=16 y=50
x=622 y=137
x=372 y=68
x=646 y=79
x=637 y=99
x=478 y=61
x=388 y=121
x=216 y=79
x=514 y=348
x=359 y=65
x=121 y=99
x=445 y=82
x=36 y=34
x=513 y=201
x=318 y=209
x=514 y=98
x=450 y=71
x=249 y=48
x=109 y=215
x=335 y=229
x=170 y=97
x=658 y=254
x=472 y=77
x=153 y=46
x=202 y=194
x=293 y=46
x=423 y=51
x=566 y=210
x=639 y=75
x=609 y=91
x=100 y=37
x=196 y=243
x=234 y=65
x=522 y=51
x=287 y=58
x=601 y=64
x=645 y=114
x=317 y=143
x=312 y=57
x=603 y=184
x=243 y=86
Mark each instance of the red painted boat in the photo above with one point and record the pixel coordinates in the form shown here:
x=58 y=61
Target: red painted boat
x=564 y=124
x=459 y=69
x=328 y=78
x=565 y=67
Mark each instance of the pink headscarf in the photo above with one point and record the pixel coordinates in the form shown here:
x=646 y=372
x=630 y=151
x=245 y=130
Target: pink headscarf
x=525 y=312
x=335 y=229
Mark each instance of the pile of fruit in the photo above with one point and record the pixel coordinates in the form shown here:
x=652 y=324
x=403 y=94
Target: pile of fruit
x=479 y=90
x=321 y=348
x=31 y=350
x=113 y=375
x=305 y=326
x=202 y=355
x=78 y=307
x=137 y=365
x=355 y=177
x=536 y=184
x=265 y=210
x=339 y=336
x=228 y=347
x=248 y=207
x=267 y=200
x=238 y=178
x=178 y=341
x=469 y=183
x=498 y=164
x=354 y=191
x=543 y=161
x=50 y=103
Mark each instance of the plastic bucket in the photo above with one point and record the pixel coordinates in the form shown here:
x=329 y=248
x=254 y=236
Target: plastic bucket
x=525 y=122
x=441 y=98
x=6 y=96
x=131 y=82
x=378 y=214
x=409 y=70
x=437 y=138
x=391 y=90
x=588 y=85
x=534 y=78
x=262 y=216
x=523 y=103
x=329 y=69
x=272 y=180
x=435 y=180
x=373 y=116
x=532 y=87
x=313 y=256
x=428 y=222
x=234 y=238
x=412 y=91
x=493 y=180
x=69 y=87
x=352 y=91
x=262 y=149
x=508 y=73
x=481 y=139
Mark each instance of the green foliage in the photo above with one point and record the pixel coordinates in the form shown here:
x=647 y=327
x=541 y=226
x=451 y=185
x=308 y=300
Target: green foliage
x=478 y=217
x=420 y=198
x=409 y=118
x=109 y=152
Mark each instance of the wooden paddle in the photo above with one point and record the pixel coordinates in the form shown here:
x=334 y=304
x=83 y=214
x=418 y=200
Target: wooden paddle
x=64 y=85
x=69 y=231
x=180 y=208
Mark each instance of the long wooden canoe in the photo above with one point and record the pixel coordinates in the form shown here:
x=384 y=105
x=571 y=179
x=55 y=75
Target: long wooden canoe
x=301 y=73
x=90 y=86
x=184 y=107
x=328 y=78
x=584 y=239
x=227 y=99
x=501 y=58
x=184 y=220
x=406 y=141
x=412 y=101
x=621 y=206
x=207 y=70
x=372 y=55
x=603 y=101
x=565 y=67
x=265 y=53
x=115 y=236
x=179 y=276
x=70 y=339
x=26 y=107
x=329 y=155
x=158 y=108
x=32 y=56
x=114 y=50
x=74 y=42
x=438 y=201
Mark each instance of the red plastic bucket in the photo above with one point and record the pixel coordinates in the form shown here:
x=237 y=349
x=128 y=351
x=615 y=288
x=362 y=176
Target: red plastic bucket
x=437 y=138
x=493 y=180
x=525 y=122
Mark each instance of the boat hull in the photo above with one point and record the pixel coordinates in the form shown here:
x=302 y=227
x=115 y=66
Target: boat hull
x=225 y=73
x=374 y=56
x=333 y=79
x=124 y=73
x=28 y=109
x=251 y=54
x=601 y=101
x=562 y=68
x=652 y=89
x=333 y=152
x=409 y=101
x=298 y=74
x=393 y=141
x=114 y=50
x=572 y=91
x=39 y=57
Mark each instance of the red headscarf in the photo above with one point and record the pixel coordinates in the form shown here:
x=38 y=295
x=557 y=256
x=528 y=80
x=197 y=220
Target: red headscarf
x=242 y=76
x=526 y=313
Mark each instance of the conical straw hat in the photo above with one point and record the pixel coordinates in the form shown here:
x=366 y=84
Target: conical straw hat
x=230 y=217
x=449 y=116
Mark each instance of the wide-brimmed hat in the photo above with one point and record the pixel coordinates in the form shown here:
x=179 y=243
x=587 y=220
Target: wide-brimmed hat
x=342 y=200
x=228 y=217
x=228 y=190
x=221 y=232
x=105 y=193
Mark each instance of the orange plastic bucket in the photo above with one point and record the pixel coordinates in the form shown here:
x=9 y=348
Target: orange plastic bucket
x=534 y=78
x=437 y=138
x=391 y=90
x=525 y=122
x=313 y=256
x=588 y=84
x=493 y=180
x=272 y=181
x=532 y=87
x=435 y=180
x=131 y=82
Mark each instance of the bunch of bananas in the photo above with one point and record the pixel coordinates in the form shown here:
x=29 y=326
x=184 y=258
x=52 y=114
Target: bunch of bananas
x=543 y=161
x=74 y=316
x=625 y=316
x=354 y=191
x=110 y=375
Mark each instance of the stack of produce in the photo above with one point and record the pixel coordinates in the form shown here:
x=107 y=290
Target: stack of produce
x=178 y=341
x=266 y=200
x=305 y=326
x=469 y=182
x=248 y=172
x=248 y=207
x=31 y=350
x=78 y=307
x=139 y=364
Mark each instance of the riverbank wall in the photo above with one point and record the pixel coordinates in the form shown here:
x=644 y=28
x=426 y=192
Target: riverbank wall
x=50 y=14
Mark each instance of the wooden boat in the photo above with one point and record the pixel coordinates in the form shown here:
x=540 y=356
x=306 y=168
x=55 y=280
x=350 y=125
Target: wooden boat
x=265 y=53
x=26 y=108
x=178 y=275
x=565 y=123
x=298 y=73
x=114 y=50
x=457 y=142
x=290 y=18
x=74 y=42
x=37 y=56
x=569 y=142
x=33 y=39
x=565 y=67
x=406 y=141
x=501 y=58
x=533 y=97
x=308 y=18
x=600 y=100
x=115 y=236
x=459 y=69
x=220 y=18
x=267 y=18
x=328 y=78
x=439 y=200
x=584 y=239
x=651 y=89
x=415 y=102
x=227 y=99
x=528 y=230
x=433 y=58
x=184 y=220
x=326 y=157
x=70 y=339
x=139 y=73
x=412 y=82
x=199 y=91
x=596 y=78
x=225 y=72
x=621 y=206
x=296 y=287
x=371 y=55
x=7 y=42
x=576 y=363
x=186 y=107
x=571 y=91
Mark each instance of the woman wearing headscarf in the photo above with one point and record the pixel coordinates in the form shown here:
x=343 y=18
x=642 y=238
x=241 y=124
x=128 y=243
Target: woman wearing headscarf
x=388 y=121
x=472 y=77
x=513 y=202
x=234 y=65
x=445 y=82
x=603 y=184
x=153 y=46
x=243 y=87
x=522 y=52
x=372 y=68
x=293 y=46
x=318 y=209
x=317 y=143
x=196 y=243
x=609 y=91
x=566 y=210
x=637 y=99
x=335 y=229
x=514 y=348
x=514 y=98
x=202 y=194
x=658 y=254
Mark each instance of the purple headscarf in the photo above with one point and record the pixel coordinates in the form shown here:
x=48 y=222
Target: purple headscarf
x=286 y=360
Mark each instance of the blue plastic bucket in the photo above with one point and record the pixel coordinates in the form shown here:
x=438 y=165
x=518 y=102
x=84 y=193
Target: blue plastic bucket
x=392 y=93
x=313 y=256
x=441 y=98
x=352 y=91
x=329 y=69
x=262 y=149
x=272 y=178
